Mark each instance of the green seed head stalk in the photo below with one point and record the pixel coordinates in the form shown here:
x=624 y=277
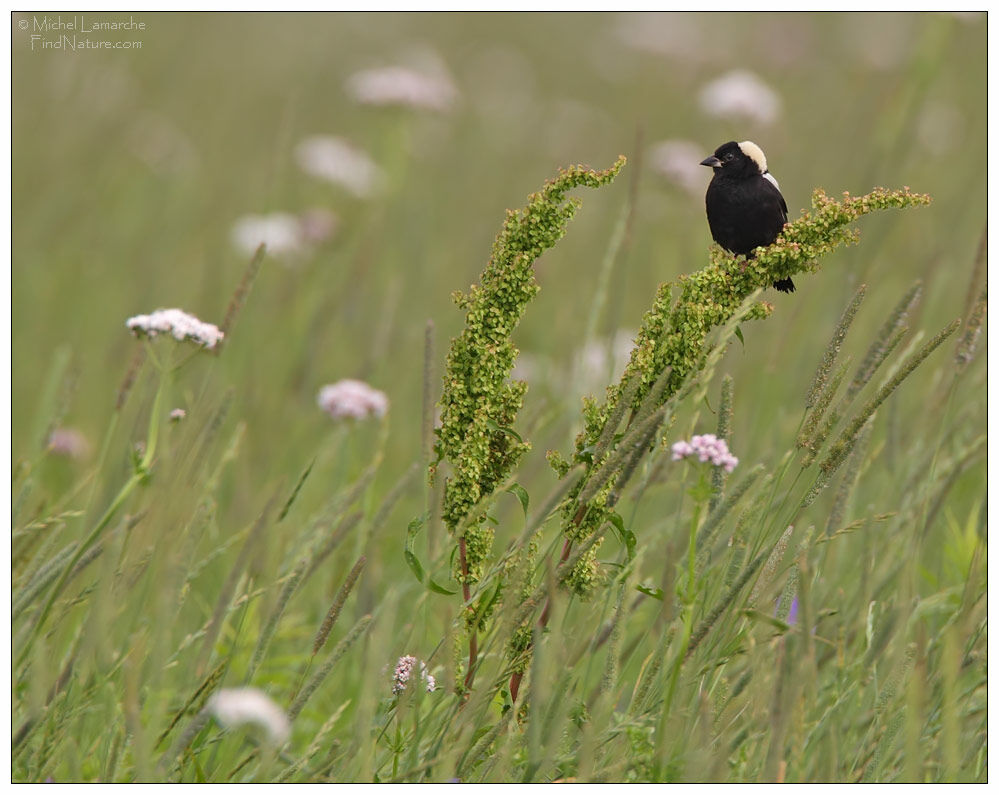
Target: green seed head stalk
x=480 y=403
x=674 y=333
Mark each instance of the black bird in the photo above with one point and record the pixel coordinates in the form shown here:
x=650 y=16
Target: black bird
x=744 y=203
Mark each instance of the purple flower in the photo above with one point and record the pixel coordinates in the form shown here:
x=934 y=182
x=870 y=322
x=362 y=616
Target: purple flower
x=70 y=443
x=706 y=447
x=792 y=613
x=351 y=398
x=404 y=670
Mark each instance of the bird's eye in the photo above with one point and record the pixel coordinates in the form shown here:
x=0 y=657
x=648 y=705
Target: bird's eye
x=728 y=156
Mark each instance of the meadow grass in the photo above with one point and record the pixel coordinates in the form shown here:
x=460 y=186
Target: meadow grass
x=816 y=614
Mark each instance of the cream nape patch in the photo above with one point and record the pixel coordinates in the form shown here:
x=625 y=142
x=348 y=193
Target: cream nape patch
x=753 y=151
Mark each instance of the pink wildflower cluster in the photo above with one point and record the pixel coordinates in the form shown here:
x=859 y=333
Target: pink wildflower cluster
x=351 y=398
x=403 y=671
x=707 y=447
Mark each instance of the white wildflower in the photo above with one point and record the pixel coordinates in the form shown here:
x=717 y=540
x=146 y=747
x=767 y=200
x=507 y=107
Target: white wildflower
x=404 y=670
x=351 y=398
x=740 y=95
x=400 y=85
x=338 y=161
x=238 y=706
x=680 y=163
x=178 y=323
x=177 y=415
x=280 y=232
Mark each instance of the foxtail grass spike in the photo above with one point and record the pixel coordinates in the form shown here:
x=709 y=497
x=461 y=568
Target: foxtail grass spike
x=724 y=603
x=639 y=446
x=770 y=569
x=715 y=518
x=636 y=440
x=196 y=724
x=225 y=595
x=134 y=366
x=609 y=678
x=832 y=349
x=334 y=612
x=197 y=699
x=628 y=391
x=814 y=432
x=317 y=679
x=841 y=447
x=724 y=431
x=43 y=577
x=294 y=492
x=972 y=330
x=242 y=291
x=880 y=348
x=976 y=282
x=325 y=549
x=267 y=633
x=848 y=481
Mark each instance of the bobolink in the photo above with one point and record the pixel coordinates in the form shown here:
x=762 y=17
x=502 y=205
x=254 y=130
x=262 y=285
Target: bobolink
x=744 y=203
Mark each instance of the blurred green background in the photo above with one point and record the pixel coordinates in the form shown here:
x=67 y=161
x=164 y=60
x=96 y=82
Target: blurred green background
x=130 y=168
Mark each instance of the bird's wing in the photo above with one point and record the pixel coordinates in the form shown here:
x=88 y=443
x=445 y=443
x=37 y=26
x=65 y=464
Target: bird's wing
x=783 y=205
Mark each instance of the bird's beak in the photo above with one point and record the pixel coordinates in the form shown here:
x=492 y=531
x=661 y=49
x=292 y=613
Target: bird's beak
x=712 y=161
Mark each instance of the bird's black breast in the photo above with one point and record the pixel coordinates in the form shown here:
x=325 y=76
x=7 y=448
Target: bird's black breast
x=744 y=213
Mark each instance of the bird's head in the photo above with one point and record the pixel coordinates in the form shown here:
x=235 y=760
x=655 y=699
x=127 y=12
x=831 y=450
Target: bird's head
x=738 y=160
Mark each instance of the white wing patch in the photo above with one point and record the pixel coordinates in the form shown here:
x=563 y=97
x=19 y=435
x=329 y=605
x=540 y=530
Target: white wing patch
x=768 y=176
x=752 y=150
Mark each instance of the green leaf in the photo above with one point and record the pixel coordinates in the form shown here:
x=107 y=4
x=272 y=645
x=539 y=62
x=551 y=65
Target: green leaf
x=433 y=586
x=521 y=494
x=414 y=526
x=296 y=490
x=763 y=618
x=486 y=602
x=495 y=426
x=655 y=593
x=738 y=333
x=414 y=564
x=627 y=536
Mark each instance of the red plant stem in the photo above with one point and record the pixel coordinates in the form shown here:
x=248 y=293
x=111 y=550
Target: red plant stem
x=473 y=640
x=517 y=676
